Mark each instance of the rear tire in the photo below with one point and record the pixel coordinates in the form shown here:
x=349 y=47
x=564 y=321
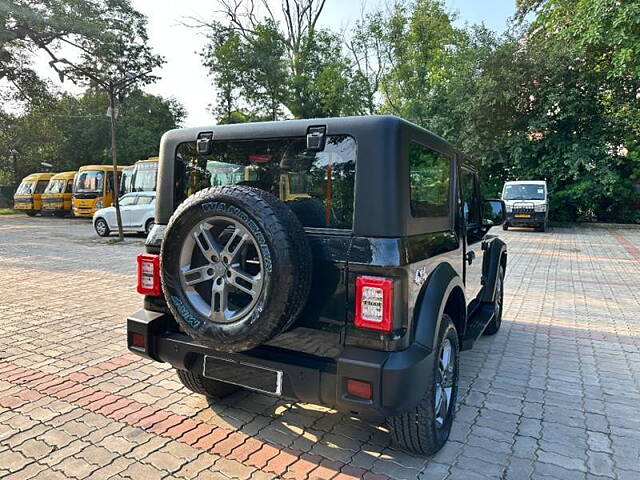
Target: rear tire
x=494 y=325
x=505 y=226
x=148 y=226
x=205 y=386
x=425 y=428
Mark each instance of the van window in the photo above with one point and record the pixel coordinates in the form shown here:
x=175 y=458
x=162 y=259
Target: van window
x=429 y=174
x=55 y=186
x=317 y=186
x=25 y=188
x=144 y=200
x=41 y=186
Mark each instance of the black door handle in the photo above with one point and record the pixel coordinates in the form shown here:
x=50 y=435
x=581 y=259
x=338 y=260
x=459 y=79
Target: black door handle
x=471 y=256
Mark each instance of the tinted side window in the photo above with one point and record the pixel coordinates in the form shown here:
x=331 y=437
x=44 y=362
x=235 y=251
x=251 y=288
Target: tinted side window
x=429 y=175
x=471 y=205
x=42 y=184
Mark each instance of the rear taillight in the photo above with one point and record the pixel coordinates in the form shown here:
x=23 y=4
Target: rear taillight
x=374 y=298
x=149 y=275
x=358 y=388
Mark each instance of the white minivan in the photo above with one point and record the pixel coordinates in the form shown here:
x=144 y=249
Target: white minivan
x=527 y=203
x=137 y=210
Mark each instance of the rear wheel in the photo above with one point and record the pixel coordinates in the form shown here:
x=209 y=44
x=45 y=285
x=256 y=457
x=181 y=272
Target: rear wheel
x=205 y=386
x=102 y=228
x=148 y=226
x=505 y=226
x=425 y=428
x=494 y=325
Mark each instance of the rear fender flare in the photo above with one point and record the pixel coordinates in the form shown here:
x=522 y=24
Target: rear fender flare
x=431 y=303
x=495 y=254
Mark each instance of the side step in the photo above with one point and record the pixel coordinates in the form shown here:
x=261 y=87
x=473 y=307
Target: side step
x=476 y=325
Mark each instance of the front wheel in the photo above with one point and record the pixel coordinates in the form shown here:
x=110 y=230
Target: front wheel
x=102 y=228
x=31 y=213
x=505 y=226
x=425 y=428
x=494 y=325
x=205 y=386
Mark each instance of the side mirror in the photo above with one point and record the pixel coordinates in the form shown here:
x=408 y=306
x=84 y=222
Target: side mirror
x=494 y=213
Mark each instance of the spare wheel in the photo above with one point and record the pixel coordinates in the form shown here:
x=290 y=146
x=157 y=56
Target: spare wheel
x=235 y=267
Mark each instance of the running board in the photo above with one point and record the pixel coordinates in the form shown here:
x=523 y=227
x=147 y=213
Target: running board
x=476 y=325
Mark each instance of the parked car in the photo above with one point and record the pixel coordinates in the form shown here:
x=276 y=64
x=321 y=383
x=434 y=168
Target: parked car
x=136 y=209
x=366 y=312
x=527 y=204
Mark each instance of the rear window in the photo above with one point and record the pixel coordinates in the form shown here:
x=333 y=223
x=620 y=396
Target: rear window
x=317 y=186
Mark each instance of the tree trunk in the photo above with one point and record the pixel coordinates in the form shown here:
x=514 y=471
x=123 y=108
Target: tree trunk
x=114 y=159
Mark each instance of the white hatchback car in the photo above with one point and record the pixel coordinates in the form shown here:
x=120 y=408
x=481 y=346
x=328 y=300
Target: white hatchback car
x=137 y=210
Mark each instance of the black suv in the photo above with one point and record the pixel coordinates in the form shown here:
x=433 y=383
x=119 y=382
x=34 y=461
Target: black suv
x=339 y=261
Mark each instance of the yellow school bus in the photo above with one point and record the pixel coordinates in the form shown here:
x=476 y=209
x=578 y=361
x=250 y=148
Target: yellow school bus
x=28 y=196
x=93 y=189
x=56 y=198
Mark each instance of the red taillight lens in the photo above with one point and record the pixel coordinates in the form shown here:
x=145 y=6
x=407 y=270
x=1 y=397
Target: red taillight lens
x=138 y=340
x=374 y=298
x=359 y=389
x=149 y=275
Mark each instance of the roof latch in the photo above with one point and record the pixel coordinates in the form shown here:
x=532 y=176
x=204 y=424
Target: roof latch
x=205 y=143
x=316 y=138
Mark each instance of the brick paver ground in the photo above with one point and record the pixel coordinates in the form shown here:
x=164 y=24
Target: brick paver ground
x=556 y=394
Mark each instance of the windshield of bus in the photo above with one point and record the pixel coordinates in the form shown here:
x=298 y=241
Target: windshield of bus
x=144 y=177
x=89 y=181
x=25 y=188
x=55 y=186
x=523 y=191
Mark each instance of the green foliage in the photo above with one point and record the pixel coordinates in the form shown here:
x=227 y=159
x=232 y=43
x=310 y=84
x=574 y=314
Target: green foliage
x=267 y=71
x=546 y=101
x=72 y=131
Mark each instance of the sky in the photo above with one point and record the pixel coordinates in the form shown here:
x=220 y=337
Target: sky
x=184 y=77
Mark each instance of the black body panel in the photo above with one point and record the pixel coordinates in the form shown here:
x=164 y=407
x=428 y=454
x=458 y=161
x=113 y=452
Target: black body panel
x=425 y=258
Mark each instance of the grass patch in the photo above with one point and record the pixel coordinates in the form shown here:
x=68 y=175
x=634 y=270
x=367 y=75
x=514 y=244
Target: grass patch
x=7 y=211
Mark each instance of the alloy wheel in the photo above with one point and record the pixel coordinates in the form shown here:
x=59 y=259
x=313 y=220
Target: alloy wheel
x=444 y=382
x=222 y=269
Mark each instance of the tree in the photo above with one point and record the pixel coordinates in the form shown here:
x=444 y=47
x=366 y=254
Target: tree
x=277 y=64
x=74 y=131
x=117 y=61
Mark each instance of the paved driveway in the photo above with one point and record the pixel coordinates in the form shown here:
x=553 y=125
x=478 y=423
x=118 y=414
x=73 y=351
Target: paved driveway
x=556 y=394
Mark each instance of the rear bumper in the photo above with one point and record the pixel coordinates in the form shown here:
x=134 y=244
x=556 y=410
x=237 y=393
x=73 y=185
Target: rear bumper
x=398 y=379
x=536 y=218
